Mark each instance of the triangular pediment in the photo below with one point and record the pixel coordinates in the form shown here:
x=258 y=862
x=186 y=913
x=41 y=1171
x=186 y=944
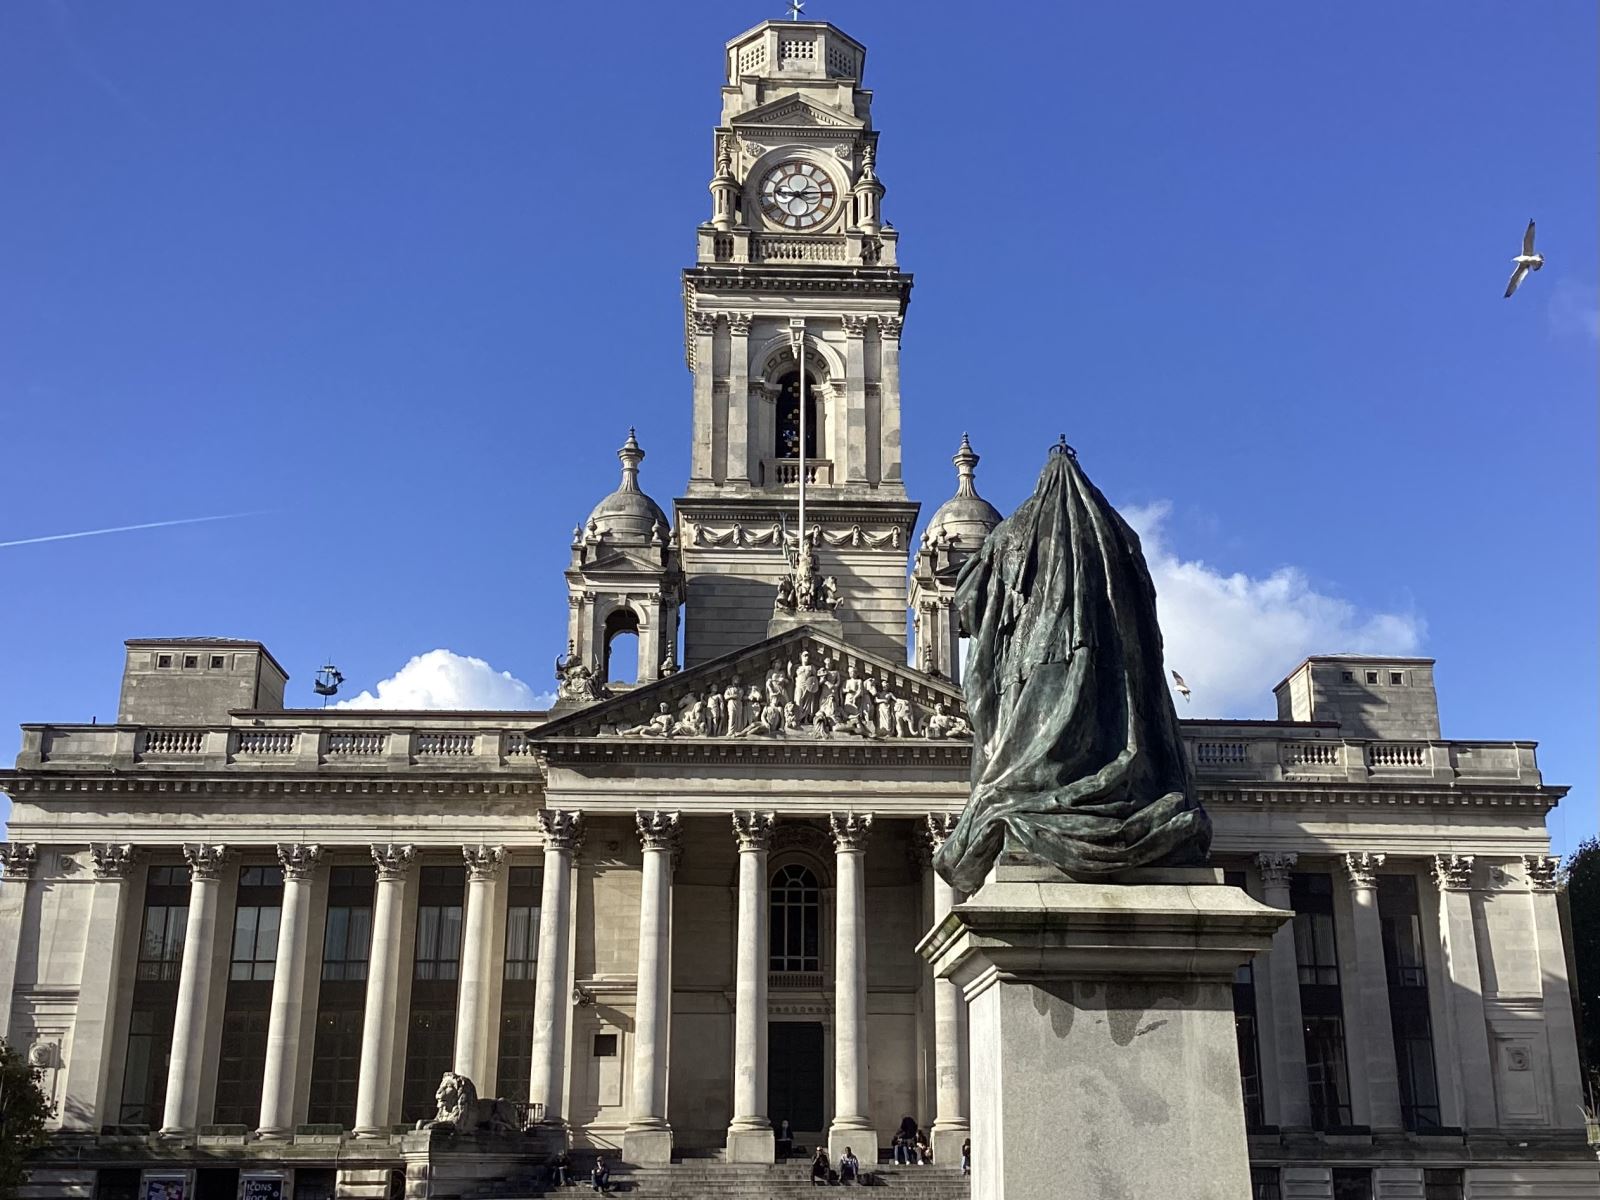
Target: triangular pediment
x=822 y=688
x=798 y=110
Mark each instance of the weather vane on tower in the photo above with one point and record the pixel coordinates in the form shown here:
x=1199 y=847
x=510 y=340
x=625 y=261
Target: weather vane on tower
x=796 y=7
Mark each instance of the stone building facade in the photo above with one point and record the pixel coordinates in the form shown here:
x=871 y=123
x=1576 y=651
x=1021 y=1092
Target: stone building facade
x=667 y=916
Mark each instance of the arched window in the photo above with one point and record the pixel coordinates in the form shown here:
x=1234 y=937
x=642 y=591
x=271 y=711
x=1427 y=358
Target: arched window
x=796 y=920
x=621 y=664
x=788 y=413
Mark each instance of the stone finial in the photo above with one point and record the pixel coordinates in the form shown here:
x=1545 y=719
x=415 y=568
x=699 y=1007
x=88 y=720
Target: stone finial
x=753 y=830
x=205 y=860
x=631 y=456
x=299 y=861
x=658 y=829
x=1363 y=869
x=939 y=827
x=113 y=860
x=19 y=859
x=483 y=862
x=1543 y=871
x=1453 y=872
x=562 y=829
x=1276 y=868
x=966 y=461
x=392 y=861
x=850 y=830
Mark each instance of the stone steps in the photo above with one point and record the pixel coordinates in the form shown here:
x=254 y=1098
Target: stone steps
x=703 y=1180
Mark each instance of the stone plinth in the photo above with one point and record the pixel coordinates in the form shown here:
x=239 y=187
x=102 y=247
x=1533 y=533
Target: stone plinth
x=822 y=622
x=1101 y=1026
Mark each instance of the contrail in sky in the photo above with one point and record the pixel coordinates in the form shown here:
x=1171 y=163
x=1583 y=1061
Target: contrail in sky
x=82 y=533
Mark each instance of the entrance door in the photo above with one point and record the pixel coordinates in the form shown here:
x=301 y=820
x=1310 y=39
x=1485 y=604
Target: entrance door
x=794 y=1075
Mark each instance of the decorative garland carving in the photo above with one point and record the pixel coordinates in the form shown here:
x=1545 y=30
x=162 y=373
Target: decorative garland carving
x=754 y=537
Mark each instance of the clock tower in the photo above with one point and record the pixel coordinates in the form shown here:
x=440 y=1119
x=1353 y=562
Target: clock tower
x=792 y=320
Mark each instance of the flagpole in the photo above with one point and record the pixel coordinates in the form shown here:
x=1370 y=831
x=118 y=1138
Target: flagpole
x=797 y=343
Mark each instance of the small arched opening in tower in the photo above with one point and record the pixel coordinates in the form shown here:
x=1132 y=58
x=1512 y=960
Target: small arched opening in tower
x=621 y=662
x=788 y=414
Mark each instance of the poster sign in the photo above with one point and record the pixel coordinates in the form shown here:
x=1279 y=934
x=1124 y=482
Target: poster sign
x=164 y=1187
x=261 y=1187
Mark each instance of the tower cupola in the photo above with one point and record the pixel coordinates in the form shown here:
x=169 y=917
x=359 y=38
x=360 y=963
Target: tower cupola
x=966 y=518
x=954 y=535
x=627 y=514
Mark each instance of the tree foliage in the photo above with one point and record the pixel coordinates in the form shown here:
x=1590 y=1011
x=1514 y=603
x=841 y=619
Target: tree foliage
x=23 y=1110
x=1583 y=901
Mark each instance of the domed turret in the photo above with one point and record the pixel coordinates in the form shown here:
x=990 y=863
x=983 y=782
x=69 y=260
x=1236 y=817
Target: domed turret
x=627 y=514
x=966 y=518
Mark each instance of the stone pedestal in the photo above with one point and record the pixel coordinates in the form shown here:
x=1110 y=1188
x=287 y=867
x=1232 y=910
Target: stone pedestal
x=822 y=622
x=1102 y=1016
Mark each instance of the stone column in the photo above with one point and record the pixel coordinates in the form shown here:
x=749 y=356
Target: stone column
x=855 y=392
x=1370 y=992
x=18 y=860
x=379 y=1033
x=737 y=469
x=552 y=989
x=952 y=1123
x=750 y=1137
x=478 y=961
x=648 y=1137
x=889 y=392
x=280 y=1083
x=852 y=1121
x=703 y=329
x=1475 y=1100
x=85 y=1105
x=1283 y=1033
x=1560 y=1027
x=187 y=1064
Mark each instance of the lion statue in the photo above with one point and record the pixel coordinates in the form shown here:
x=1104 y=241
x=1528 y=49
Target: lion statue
x=458 y=1107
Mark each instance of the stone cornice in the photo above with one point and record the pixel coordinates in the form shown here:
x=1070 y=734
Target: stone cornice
x=317 y=783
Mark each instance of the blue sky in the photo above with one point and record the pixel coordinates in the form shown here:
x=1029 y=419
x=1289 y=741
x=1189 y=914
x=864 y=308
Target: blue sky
x=399 y=278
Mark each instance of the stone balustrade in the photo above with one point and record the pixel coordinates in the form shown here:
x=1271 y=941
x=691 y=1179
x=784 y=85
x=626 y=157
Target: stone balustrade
x=853 y=248
x=1278 y=755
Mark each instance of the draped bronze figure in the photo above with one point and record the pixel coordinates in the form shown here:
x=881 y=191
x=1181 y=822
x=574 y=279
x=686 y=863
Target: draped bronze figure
x=1076 y=757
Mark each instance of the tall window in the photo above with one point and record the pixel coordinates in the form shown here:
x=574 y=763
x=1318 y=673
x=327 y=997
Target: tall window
x=1245 y=1028
x=1401 y=919
x=516 y=989
x=796 y=920
x=1321 y=998
x=430 y=1045
x=1264 y=1184
x=341 y=1001
x=155 y=995
x=247 y=1007
x=1448 y=1183
x=1352 y=1183
x=788 y=414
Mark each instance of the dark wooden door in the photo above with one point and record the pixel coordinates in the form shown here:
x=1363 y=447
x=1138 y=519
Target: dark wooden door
x=794 y=1075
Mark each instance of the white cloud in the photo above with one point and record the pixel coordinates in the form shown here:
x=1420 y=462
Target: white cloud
x=1575 y=309
x=444 y=679
x=1232 y=637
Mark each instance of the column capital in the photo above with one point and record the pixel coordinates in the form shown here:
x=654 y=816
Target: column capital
x=658 y=829
x=1363 y=869
x=890 y=327
x=855 y=324
x=1542 y=870
x=1276 y=868
x=19 y=859
x=562 y=828
x=392 y=861
x=113 y=860
x=483 y=862
x=1453 y=872
x=850 y=830
x=299 y=860
x=938 y=828
x=705 y=323
x=739 y=323
x=205 y=860
x=753 y=830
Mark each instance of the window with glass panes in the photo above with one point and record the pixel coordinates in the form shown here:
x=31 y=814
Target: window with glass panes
x=241 y=1063
x=796 y=933
x=1321 y=998
x=517 y=986
x=430 y=1041
x=1447 y=1183
x=155 y=995
x=342 y=996
x=1244 y=1024
x=1400 y=917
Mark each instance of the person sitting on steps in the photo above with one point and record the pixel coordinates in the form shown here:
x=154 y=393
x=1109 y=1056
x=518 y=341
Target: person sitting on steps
x=849 y=1167
x=819 y=1167
x=600 y=1177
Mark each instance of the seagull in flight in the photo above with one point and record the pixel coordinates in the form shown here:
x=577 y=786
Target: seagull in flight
x=1526 y=261
x=1183 y=688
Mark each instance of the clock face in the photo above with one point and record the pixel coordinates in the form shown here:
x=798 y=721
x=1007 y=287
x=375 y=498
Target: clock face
x=798 y=195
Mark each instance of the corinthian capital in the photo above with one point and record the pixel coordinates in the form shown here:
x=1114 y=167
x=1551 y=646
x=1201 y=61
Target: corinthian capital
x=19 y=859
x=205 y=861
x=483 y=862
x=299 y=860
x=1363 y=869
x=752 y=829
x=658 y=829
x=392 y=861
x=113 y=860
x=1276 y=868
x=1453 y=872
x=1542 y=870
x=850 y=830
x=939 y=828
x=890 y=327
x=562 y=828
